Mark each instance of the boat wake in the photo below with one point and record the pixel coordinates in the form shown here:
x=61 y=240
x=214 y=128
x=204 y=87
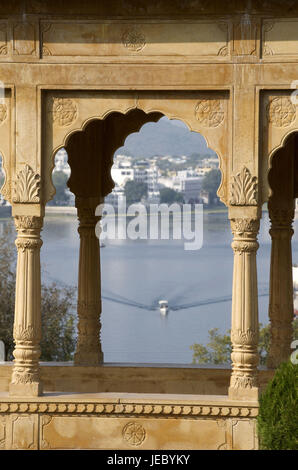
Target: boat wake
x=112 y=297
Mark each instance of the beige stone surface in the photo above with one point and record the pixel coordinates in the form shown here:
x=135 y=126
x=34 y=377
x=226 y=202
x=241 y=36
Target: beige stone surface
x=133 y=379
x=87 y=75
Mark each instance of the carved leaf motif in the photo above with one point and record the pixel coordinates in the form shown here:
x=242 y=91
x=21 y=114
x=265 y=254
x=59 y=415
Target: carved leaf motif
x=243 y=189
x=27 y=186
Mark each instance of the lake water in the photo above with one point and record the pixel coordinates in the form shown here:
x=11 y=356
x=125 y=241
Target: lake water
x=143 y=272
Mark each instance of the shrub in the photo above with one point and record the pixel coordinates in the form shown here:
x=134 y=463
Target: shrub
x=278 y=413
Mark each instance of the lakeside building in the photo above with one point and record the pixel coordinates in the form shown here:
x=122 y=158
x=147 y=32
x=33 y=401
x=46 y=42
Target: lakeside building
x=189 y=183
x=142 y=171
x=61 y=162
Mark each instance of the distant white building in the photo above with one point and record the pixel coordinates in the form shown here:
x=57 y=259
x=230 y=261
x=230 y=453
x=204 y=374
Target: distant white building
x=115 y=197
x=143 y=171
x=189 y=183
x=61 y=162
x=122 y=175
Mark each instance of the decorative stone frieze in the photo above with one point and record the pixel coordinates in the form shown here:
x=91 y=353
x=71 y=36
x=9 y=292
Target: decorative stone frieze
x=127 y=409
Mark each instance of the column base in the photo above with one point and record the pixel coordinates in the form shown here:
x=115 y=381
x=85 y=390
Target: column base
x=34 y=389
x=88 y=359
x=240 y=393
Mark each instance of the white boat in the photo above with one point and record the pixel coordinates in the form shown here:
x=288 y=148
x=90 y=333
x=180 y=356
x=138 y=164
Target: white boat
x=295 y=277
x=163 y=307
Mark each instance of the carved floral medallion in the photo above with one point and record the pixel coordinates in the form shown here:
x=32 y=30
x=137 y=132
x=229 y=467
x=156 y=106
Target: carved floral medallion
x=64 y=111
x=209 y=113
x=134 y=434
x=133 y=39
x=281 y=111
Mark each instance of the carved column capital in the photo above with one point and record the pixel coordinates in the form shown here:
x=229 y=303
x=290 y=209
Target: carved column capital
x=245 y=235
x=86 y=208
x=28 y=222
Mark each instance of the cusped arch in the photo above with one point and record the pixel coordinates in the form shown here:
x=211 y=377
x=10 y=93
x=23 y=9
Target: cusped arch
x=277 y=157
x=144 y=116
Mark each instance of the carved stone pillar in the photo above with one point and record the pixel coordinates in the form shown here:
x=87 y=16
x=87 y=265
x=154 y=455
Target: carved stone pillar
x=88 y=350
x=27 y=324
x=281 y=310
x=244 y=334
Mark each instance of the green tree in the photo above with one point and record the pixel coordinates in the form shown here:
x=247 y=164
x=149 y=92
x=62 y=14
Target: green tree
x=57 y=309
x=278 y=411
x=219 y=348
x=59 y=181
x=169 y=195
x=217 y=351
x=134 y=191
x=211 y=184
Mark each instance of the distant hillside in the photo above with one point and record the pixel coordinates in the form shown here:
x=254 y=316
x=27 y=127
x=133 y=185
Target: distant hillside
x=164 y=137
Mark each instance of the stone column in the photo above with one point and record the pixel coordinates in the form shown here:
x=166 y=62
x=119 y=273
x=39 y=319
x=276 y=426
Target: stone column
x=88 y=351
x=281 y=310
x=25 y=379
x=244 y=334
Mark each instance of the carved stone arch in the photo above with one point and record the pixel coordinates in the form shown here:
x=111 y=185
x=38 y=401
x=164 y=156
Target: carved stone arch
x=101 y=137
x=285 y=154
x=209 y=120
x=279 y=121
